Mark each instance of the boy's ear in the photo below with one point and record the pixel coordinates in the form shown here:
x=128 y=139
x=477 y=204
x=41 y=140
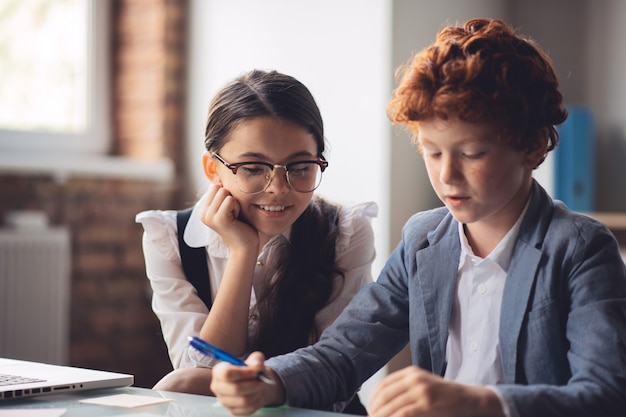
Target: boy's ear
x=534 y=157
x=210 y=169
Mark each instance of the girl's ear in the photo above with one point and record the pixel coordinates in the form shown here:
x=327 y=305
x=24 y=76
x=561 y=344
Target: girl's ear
x=210 y=169
x=534 y=157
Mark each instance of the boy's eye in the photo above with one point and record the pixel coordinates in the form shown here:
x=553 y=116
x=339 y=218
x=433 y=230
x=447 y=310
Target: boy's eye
x=473 y=155
x=428 y=151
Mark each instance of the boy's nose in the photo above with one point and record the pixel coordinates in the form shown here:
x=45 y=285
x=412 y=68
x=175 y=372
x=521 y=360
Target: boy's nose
x=448 y=172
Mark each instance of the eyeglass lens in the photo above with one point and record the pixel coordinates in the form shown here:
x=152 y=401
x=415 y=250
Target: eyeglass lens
x=303 y=177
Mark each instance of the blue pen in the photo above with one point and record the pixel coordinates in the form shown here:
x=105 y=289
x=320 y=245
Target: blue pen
x=211 y=351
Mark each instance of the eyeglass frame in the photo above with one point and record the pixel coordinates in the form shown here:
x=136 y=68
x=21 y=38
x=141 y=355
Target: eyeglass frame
x=323 y=164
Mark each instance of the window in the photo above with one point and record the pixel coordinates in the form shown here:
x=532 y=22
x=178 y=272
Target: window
x=54 y=70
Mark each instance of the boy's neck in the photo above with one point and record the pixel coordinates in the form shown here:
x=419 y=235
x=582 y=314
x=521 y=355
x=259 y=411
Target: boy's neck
x=484 y=236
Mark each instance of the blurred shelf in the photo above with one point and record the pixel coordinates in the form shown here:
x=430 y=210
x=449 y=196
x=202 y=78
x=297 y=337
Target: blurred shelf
x=613 y=220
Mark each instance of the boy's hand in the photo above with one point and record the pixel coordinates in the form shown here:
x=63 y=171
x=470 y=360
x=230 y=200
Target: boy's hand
x=413 y=392
x=240 y=391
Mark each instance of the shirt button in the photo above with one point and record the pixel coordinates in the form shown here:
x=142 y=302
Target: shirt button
x=473 y=346
x=253 y=316
x=259 y=263
x=482 y=288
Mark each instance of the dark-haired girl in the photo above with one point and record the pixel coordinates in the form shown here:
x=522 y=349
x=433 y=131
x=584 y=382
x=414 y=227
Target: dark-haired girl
x=282 y=264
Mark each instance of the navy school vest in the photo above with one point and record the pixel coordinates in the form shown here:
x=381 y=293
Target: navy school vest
x=193 y=260
x=196 y=270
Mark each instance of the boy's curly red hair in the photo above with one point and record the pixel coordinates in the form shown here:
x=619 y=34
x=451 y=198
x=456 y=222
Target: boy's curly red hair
x=482 y=72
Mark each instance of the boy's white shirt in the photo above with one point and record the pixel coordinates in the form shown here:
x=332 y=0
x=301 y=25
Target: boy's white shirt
x=472 y=349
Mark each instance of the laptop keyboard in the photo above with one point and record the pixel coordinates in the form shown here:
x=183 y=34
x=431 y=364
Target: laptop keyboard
x=6 y=379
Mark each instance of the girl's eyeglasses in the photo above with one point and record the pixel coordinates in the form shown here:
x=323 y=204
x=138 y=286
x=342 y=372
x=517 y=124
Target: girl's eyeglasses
x=255 y=177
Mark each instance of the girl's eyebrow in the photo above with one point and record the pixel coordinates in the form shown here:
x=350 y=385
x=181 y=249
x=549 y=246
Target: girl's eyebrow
x=258 y=155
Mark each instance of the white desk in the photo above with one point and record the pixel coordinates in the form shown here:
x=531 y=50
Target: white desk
x=182 y=405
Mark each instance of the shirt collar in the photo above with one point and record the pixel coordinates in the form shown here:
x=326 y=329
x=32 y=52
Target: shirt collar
x=503 y=252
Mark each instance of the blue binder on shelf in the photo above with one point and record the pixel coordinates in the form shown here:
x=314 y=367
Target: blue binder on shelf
x=574 y=161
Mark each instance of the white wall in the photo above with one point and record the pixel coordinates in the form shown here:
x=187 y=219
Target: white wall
x=338 y=49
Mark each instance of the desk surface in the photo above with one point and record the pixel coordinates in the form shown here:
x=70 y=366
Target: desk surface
x=181 y=405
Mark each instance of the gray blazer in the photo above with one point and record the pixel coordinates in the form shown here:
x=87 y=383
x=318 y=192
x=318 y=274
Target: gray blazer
x=562 y=324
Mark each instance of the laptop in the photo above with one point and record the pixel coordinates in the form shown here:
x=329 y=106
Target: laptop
x=19 y=378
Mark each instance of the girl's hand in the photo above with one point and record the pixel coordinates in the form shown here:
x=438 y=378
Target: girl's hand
x=221 y=213
x=413 y=392
x=240 y=391
x=226 y=325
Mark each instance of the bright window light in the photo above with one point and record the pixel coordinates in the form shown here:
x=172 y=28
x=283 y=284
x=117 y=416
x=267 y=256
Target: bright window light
x=53 y=66
x=43 y=65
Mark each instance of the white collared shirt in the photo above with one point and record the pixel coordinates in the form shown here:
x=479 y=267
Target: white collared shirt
x=472 y=349
x=180 y=310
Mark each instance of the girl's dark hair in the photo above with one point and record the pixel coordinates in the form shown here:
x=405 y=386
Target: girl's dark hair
x=483 y=72
x=304 y=280
x=262 y=94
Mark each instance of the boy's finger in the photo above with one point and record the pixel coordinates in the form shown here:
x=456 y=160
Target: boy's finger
x=256 y=360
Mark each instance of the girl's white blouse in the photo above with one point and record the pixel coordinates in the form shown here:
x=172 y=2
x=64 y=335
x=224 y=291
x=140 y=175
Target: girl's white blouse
x=180 y=310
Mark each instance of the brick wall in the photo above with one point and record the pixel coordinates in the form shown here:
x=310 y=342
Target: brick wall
x=112 y=325
x=149 y=45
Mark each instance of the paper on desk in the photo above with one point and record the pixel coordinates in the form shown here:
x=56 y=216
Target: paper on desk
x=32 y=412
x=126 y=400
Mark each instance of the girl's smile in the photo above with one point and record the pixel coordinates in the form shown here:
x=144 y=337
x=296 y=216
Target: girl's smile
x=273 y=208
x=275 y=141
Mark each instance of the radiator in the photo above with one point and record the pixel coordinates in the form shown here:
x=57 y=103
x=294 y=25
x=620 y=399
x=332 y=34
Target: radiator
x=34 y=293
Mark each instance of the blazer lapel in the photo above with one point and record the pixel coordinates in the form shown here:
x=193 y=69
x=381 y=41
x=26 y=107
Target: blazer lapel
x=437 y=269
x=521 y=278
x=517 y=289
